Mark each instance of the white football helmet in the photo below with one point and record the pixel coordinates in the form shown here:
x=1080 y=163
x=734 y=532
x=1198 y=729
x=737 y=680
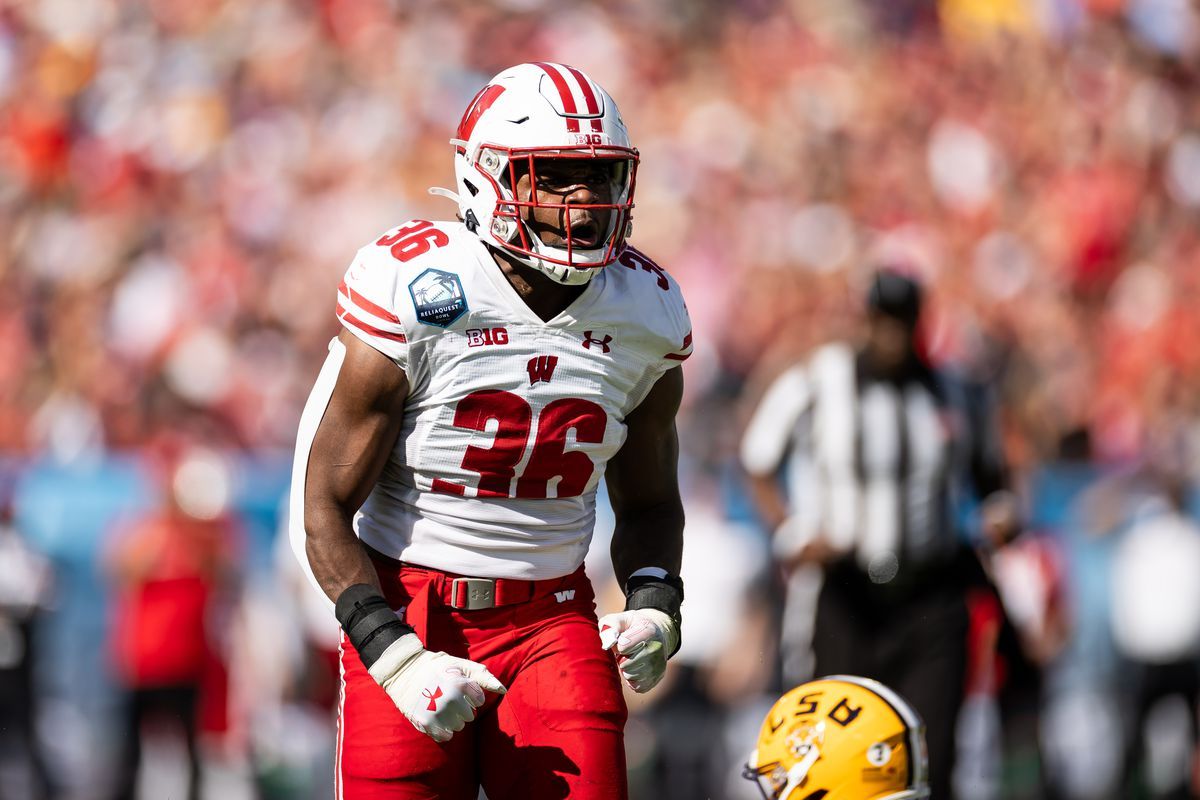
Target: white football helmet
x=530 y=112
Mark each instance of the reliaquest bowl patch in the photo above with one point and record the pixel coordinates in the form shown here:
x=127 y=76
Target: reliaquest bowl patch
x=438 y=297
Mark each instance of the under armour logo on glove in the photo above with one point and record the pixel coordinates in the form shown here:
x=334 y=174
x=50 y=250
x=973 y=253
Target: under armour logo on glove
x=417 y=679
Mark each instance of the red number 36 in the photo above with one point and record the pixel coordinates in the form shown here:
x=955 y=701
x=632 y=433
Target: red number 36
x=549 y=460
x=413 y=239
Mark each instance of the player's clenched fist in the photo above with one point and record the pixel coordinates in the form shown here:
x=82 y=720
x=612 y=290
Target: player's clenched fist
x=643 y=640
x=436 y=692
x=646 y=633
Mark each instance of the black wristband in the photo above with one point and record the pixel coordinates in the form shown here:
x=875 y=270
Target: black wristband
x=369 y=622
x=664 y=594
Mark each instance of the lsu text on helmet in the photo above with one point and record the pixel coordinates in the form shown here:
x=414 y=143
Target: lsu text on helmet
x=841 y=738
x=525 y=114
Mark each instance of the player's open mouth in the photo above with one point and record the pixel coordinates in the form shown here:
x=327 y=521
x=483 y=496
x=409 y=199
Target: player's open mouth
x=585 y=234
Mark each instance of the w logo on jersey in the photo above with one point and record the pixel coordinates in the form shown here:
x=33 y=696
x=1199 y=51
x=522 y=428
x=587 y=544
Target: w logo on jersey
x=564 y=595
x=541 y=368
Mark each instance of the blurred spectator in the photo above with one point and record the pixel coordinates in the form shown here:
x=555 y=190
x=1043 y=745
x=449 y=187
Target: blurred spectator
x=1021 y=627
x=879 y=446
x=285 y=658
x=1156 y=628
x=169 y=569
x=25 y=590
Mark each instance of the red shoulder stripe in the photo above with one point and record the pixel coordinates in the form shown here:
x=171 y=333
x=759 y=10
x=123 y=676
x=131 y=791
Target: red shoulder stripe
x=366 y=305
x=347 y=317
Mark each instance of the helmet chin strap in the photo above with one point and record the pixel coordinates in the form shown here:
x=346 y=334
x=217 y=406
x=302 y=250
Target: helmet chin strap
x=559 y=273
x=438 y=191
x=567 y=275
x=564 y=275
x=799 y=771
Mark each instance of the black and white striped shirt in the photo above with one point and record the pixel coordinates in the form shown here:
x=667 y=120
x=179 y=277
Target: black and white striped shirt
x=874 y=465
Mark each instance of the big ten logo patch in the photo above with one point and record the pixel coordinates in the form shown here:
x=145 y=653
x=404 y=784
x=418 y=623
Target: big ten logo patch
x=482 y=337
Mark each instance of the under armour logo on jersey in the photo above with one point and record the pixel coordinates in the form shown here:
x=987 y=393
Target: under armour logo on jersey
x=432 y=696
x=589 y=340
x=541 y=368
x=565 y=595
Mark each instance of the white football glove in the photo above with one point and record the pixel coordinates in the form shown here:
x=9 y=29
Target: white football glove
x=643 y=638
x=436 y=692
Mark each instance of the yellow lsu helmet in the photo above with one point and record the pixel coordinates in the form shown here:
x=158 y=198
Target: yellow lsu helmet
x=841 y=738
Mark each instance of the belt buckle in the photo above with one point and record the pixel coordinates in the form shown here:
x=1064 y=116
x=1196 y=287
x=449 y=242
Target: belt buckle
x=480 y=593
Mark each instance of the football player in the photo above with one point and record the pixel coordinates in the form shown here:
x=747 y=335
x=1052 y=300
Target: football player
x=840 y=738
x=488 y=373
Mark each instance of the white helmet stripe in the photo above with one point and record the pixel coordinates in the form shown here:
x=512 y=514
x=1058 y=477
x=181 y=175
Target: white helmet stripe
x=564 y=94
x=589 y=96
x=576 y=93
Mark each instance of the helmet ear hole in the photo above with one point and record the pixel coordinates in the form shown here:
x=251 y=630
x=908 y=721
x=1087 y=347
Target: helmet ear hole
x=470 y=187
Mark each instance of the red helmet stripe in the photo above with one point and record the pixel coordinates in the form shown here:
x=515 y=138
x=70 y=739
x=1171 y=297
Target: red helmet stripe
x=564 y=94
x=589 y=96
x=482 y=102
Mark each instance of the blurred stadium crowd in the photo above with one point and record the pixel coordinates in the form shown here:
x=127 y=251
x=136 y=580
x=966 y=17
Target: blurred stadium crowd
x=182 y=182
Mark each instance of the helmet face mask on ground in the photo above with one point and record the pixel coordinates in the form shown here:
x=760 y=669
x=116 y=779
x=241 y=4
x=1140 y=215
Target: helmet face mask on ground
x=840 y=738
x=534 y=120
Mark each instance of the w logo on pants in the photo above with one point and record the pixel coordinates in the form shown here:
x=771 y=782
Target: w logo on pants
x=541 y=368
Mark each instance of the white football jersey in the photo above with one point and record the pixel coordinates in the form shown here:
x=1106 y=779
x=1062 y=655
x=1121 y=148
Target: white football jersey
x=510 y=419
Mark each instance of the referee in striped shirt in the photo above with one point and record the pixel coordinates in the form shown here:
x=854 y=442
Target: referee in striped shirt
x=878 y=451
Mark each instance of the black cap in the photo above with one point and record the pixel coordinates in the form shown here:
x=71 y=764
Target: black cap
x=895 y=295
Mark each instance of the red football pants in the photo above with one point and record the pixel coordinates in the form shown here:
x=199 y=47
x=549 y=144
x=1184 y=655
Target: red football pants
x=557 y=733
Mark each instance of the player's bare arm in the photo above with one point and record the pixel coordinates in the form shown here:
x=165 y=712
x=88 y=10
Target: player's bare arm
x=350 y=449
x=647 y=545
x=643 y=485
